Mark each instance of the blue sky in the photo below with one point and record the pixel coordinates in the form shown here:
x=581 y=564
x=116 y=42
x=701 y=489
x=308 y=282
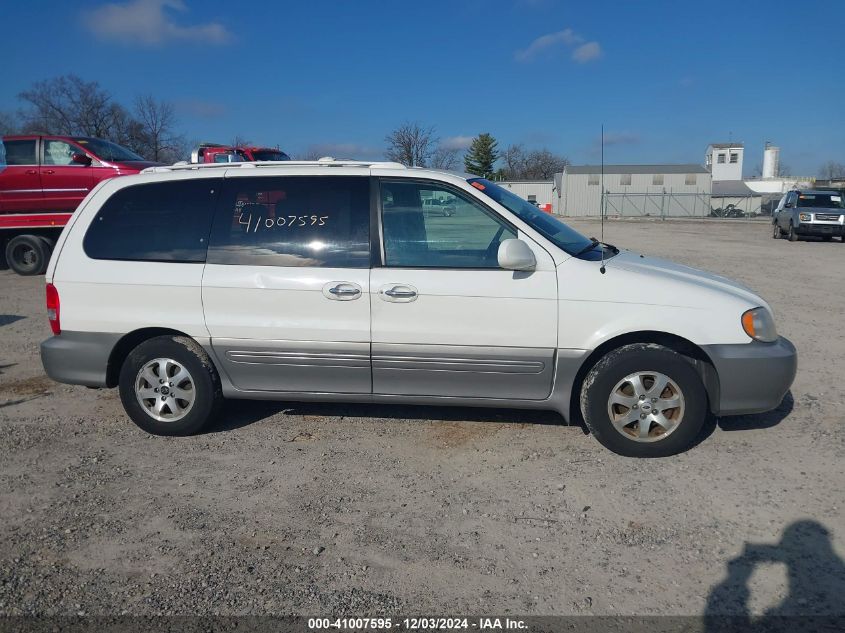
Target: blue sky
x=664 y=77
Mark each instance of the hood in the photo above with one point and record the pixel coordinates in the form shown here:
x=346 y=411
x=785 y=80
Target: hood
x=676 y=284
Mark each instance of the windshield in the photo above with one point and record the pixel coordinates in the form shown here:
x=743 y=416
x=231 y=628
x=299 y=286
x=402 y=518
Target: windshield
x=269 y=154
x=106 y=150
x=820 y=200
x=546 y=224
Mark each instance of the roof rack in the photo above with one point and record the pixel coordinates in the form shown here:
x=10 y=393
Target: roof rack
x=322 y=162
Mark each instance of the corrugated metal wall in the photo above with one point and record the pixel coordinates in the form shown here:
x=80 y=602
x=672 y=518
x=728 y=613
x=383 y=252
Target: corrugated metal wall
x=673 y=198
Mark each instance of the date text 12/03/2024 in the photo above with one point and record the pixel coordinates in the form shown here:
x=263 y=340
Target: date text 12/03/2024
x=418 y=623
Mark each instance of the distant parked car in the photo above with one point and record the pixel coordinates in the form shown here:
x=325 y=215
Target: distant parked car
x=814 y=212
x=435 y=206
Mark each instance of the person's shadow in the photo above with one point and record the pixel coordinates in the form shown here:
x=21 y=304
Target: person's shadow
x=816 y=585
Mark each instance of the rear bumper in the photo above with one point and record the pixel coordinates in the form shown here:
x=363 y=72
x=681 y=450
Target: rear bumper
x=753 y=377
x=820 y=230
x=78 y=358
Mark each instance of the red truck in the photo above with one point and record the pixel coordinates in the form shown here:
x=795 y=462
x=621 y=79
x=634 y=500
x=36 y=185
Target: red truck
x=215 y=153
x=42 y=180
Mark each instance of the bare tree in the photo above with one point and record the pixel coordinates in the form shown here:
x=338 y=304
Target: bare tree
x=154 y=128
x=240 y=141
x=69 y=105
x=445 y=158
x=8 y=123
x=540 y=164
x=832 y=170
x=410 y=144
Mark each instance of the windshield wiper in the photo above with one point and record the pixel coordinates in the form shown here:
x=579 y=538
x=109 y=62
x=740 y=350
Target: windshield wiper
x=593 y=243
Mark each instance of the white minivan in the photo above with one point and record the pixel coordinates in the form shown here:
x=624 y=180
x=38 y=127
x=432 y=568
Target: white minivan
x=329 y=280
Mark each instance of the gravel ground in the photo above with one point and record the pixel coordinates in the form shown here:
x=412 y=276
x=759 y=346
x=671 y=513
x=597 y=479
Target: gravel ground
x=367 y=510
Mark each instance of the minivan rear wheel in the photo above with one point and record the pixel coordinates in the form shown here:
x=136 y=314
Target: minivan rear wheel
x=644 y=400
x=169 y=386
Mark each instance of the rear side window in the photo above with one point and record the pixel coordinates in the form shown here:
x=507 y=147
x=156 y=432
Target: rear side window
x=20 y=152
x=319 y=221
x=161 y=222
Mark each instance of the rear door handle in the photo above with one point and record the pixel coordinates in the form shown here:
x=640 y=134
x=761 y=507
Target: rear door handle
x=341 y=290
x=49 y=171
x=31 y=172
x=398 y=293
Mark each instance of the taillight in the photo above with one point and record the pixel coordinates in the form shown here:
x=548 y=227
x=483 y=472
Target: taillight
x=53 y=309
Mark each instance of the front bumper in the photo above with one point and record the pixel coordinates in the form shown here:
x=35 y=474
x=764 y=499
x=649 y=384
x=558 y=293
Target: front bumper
x=753 y=377
x=819 y=229
x=78 y=358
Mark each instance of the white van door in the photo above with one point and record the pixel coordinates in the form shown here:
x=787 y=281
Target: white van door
x=286 y=286
x=447 y=320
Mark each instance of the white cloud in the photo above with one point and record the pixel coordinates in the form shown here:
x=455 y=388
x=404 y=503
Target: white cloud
x=567 y=37
x=150 y=23
x=456 y=142
x=587 y=52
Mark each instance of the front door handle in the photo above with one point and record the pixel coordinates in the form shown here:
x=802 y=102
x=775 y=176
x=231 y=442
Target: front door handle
x=341 y=290
x=50 y=171
x=398 y=293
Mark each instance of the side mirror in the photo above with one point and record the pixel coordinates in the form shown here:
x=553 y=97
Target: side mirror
x=516 y=255
x=81 y=159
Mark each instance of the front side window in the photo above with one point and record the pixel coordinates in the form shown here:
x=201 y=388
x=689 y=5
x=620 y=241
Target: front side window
x=161 y=221
x=316 y=221
x=60 y=153
x=20 y=152
x=468 y=236
x=106 y=150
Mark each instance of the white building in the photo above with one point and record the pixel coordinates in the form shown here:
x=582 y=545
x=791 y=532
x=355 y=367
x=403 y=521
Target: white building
x=724 y=160
x=633 y=190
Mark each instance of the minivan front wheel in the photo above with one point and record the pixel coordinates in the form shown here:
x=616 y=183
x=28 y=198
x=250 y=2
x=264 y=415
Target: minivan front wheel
x=169 y=386
x=644 y=400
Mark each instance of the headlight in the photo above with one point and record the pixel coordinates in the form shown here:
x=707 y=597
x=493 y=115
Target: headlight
x=805 y=217
x=759 y=324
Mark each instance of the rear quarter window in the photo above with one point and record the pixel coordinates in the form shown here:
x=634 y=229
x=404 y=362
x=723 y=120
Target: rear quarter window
x=163 y=222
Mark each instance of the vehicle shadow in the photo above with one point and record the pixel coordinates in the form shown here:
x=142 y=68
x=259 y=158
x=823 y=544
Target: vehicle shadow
x=240 y=413
x=815 y=584
x=759 y=420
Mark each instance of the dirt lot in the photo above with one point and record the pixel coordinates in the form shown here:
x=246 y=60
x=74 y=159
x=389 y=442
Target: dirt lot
x=367 y=510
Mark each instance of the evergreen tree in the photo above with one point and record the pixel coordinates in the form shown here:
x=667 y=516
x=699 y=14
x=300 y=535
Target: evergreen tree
x=482 y=155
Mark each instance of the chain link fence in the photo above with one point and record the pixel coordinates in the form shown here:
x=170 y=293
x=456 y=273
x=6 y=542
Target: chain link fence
x=688 y=205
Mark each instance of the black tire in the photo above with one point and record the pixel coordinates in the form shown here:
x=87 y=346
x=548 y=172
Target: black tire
x=28 y=255
x=618 y=364
x=776 y=234
x=793 y=236
x=206 y=390
x=827 y=238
